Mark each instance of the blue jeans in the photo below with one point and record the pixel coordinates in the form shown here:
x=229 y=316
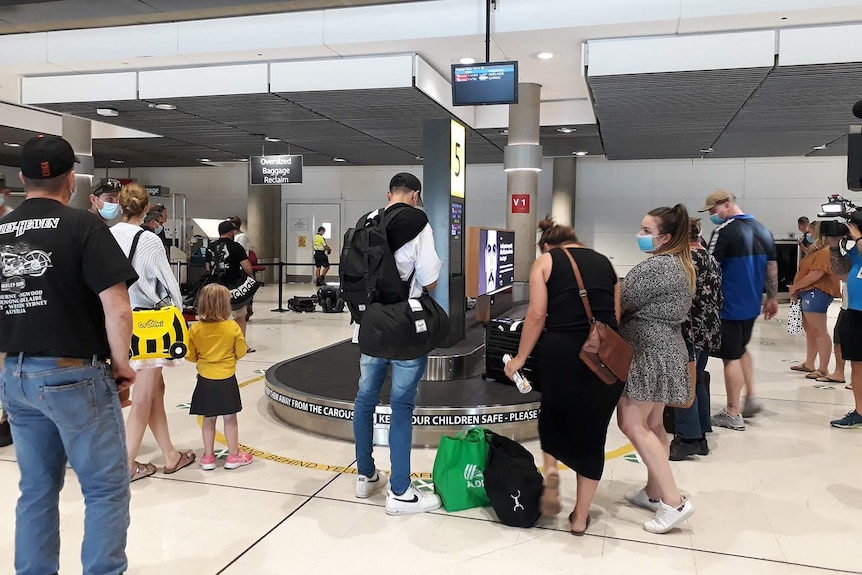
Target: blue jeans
x=405 y=380
x=694 y=422
x=58 y=413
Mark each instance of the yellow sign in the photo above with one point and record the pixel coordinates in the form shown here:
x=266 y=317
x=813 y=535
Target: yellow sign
x=457 y=162
x=302 y=241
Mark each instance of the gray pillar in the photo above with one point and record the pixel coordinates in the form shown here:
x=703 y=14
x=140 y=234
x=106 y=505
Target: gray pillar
x=523 y=177
x=79 y=133
x=563 y=197
x=264 y=225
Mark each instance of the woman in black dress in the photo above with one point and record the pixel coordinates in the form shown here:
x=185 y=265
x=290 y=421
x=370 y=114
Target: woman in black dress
x=576 y=405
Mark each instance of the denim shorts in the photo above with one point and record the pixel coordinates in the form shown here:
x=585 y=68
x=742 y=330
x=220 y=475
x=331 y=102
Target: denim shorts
x=815 y=301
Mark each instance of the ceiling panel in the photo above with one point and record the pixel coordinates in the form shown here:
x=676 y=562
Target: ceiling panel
x=669 y=115
x=554 y=143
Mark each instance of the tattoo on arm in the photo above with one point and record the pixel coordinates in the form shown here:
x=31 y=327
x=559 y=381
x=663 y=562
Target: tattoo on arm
x=840 y=263
x=771 y=279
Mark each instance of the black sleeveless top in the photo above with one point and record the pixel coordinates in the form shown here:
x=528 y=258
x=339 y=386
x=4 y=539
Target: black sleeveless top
x=565 y=308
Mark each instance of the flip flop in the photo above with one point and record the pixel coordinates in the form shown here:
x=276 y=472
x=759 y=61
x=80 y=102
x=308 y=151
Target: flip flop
x=142 y=470
x=801 y=367
x=250 y=350
x=816 y=374
x=850 y=387
x=186 y=459
x=578 y=533
x=827 y=379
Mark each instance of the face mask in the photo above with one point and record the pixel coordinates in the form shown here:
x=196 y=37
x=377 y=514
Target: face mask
x=2 y=200
x=645 y=243
x=109 y=211
x=716 y=219
x=158 y=230
x=808 y=238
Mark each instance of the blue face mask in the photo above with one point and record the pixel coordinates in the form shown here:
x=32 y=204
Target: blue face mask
x=645 y=243
x=109 y=211
x=158 y=230
x=808 y=238
x=716 y=219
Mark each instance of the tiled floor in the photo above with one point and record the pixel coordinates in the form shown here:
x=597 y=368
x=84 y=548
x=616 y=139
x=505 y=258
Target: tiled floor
x=783 y=497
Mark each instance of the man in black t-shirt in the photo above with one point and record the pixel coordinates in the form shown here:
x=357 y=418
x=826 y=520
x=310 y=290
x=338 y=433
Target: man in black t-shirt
x=64 y=310
x=228 y=263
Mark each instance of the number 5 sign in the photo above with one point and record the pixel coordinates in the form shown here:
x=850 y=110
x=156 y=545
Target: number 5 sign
x=457 y=160
x=520 y=203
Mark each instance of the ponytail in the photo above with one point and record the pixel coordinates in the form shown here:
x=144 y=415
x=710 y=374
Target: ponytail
x=675 y=221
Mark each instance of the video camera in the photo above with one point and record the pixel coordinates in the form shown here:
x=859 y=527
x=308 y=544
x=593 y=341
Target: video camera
x=839 y=207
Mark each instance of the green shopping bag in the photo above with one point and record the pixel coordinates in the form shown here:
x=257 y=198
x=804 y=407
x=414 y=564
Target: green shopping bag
x=459 y=470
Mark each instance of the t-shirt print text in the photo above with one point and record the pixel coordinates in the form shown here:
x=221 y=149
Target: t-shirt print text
x=20 y=227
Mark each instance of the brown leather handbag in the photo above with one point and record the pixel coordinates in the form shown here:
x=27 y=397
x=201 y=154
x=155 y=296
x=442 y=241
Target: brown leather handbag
x=692 y=374
x=605 y=352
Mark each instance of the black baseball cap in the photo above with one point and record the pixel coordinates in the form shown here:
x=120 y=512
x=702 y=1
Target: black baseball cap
x=107 y=185
x=405 y=180
x=226 y=227
x=46 y=157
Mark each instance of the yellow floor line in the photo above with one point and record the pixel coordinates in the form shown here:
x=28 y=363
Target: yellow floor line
x=220 y=438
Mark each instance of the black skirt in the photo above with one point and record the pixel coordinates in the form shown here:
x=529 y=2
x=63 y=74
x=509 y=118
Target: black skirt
x=576 y=405
x=214 y=397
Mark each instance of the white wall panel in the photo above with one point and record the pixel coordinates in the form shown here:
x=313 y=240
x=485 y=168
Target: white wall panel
x=121 y=43
x=79 y=88
x=23 y=49
x=680 y=53
x=823 y=45
x=27 y=119
x=526 y=14
x=214 y=80
x=251 y=32
x=342 y=74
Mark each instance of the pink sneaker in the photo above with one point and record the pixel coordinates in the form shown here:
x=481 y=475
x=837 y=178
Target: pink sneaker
x=239 y=460
x=208 y=462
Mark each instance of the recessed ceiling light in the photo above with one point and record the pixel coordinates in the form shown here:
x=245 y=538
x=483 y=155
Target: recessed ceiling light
x=420 y=158
x=338 y=160
x=109 y=112
x=12 y=144
x=820 y=147
x=467 y=61
x=204 y=159
x=707 y=150
x=241 y=160
x=268 y=139
x=504 y=132
x=163 y=106
x=567 y=130
x=581 y=153
x=118 y=161
x=545 y=55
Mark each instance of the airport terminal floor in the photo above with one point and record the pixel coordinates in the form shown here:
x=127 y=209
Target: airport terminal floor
x=782 y=497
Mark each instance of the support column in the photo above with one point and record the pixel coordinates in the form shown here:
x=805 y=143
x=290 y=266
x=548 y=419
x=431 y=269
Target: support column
x=523 y=162
x=563 y=197
x=264 y=225
x=79 y=133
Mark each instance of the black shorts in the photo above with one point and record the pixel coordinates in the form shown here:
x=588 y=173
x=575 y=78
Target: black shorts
x=851 y=335
x=836 y=333
x=321 y=260
x=735 y=335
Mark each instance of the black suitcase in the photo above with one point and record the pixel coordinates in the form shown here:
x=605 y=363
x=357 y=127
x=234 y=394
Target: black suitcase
x=301 y=303
x=502 y=336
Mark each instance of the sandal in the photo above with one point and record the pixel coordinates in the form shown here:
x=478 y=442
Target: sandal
x=549 y=503
x=850 y=387
x=142 y=470
x=801 y=367
x=186 y=459
x=816 y=374
x=827 y=379
x=250 y=350
x=578 y=533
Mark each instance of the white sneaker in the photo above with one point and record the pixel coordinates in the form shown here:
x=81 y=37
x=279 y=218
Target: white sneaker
x=724 y=419
x=667 y=517
x=411 y=501
x=367 y=486
x=641 y=499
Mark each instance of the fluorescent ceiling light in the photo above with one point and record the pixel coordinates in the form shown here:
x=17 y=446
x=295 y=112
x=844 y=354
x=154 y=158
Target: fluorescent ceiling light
x=338 y=160
x=504 y=132
x=109 y=112
x=268 y=139
x=163 y=106
x=204 y=159
x=567 y=130
x=545 y=55
x=707 y=150
x=12 y=144
x=467 y=61
x=118 y=161
x=581 y=153
x=820 y=147
x=241 y=160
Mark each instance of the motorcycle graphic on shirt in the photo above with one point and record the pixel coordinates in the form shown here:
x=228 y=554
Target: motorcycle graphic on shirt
x=19 y=262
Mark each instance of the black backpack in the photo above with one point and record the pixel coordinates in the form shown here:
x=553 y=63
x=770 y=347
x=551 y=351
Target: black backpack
x=512 y=481
x=367 y=270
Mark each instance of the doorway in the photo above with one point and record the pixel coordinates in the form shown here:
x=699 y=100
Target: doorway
x=302 y=223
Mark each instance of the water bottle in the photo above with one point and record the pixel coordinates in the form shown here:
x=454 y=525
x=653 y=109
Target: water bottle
x=521 y=382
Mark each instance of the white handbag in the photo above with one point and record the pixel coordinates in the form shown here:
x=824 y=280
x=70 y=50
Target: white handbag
x=794 y=318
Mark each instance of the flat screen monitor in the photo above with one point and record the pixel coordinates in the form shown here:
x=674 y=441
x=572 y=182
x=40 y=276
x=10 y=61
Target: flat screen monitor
x=497 y=260
x=480 y=84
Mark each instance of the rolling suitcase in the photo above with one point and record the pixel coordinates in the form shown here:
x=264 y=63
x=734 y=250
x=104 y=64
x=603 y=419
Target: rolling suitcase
x=502 y=336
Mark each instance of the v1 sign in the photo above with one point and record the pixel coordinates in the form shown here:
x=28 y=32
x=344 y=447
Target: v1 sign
x=520 y=203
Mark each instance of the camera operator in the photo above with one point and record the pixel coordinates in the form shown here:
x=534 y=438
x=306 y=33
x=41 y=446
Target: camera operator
x=849 y=264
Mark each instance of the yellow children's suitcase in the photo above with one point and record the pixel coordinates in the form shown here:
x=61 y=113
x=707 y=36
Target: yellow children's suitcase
x=159 y=334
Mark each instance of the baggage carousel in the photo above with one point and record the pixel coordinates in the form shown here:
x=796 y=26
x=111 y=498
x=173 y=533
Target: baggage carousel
x=315 y=392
